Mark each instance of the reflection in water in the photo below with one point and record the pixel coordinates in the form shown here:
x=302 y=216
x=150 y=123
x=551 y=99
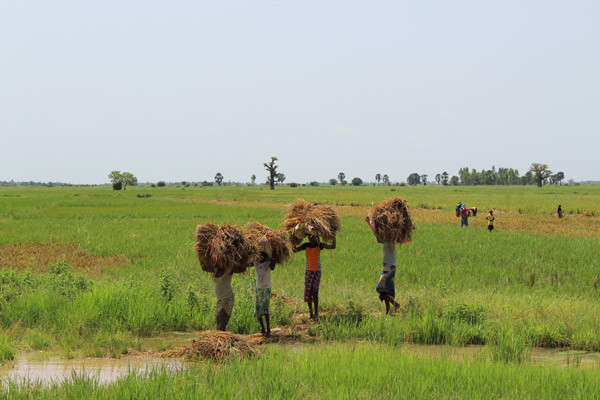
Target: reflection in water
x=105 y=370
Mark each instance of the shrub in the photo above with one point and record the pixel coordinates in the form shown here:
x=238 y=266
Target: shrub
x=465 y=313
x=65 y=281
x=167 y=286
x=357 y=181
x=293 y=184
x=160 y=183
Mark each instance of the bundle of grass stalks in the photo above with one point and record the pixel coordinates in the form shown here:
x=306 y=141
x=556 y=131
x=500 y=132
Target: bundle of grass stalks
x=304 y=218
x=273 y=242
x=392 y=221
x=223 y=247
x=215 y=346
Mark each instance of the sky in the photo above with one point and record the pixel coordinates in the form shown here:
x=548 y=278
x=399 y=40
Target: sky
x=181 y=90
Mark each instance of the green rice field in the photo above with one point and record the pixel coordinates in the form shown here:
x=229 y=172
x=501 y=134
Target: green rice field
x=90 y=272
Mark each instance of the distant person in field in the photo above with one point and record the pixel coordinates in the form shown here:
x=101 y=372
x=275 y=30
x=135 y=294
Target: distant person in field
x=464 y=216
x=490 y=219
x=386 y=286
x=312 y=274
x=560 y=211
x=225 y=298
x=458 y=208
x=264 y=265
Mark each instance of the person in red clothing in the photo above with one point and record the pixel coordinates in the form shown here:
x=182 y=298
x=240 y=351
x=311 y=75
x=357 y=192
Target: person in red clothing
x=464 y=221
x=312 y=274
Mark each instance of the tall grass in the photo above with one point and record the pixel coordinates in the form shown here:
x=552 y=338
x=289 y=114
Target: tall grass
x=357 y=372
x=545 y=287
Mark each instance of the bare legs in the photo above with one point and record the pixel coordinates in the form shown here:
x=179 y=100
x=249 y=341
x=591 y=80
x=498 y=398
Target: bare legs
x=314 y=315
x=389 y=300
x=265 y=332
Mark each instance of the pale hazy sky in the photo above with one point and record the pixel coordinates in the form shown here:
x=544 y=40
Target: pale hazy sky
x=180 y=90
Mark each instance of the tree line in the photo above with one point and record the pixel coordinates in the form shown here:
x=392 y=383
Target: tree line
x=538 y=174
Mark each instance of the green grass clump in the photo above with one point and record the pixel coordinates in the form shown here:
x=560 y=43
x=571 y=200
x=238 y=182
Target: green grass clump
x=37 y=339
x=7 y=351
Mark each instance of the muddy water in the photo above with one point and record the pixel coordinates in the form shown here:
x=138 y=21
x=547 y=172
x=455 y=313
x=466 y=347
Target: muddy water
x=105 y=370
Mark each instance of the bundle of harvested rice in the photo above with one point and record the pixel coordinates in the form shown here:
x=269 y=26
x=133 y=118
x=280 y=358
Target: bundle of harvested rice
x=223 y=247
x=215 y=346
x=392 y=221
x=273 y=242
x=304 y=218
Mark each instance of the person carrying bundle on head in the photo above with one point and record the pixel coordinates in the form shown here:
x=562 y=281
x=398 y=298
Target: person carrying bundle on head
x=312 y=273
x=490 y=219
x=273 y=248
x=395 y=225
x=223 y=251
x=386 y=286
x=263 y=265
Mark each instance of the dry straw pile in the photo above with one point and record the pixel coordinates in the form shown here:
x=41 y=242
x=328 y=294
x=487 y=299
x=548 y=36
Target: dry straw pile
x=273 y=242
x=223 y=247
x=392 y=221
x=304 y=218
x=215 y=346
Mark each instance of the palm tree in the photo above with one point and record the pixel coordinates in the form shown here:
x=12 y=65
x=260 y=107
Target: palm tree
x=386 y=180
x=444 y=178
x=378 y=178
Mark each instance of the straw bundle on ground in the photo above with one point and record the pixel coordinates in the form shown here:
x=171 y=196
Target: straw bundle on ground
x=216 y=346
x=273 y=242
x=223 y=247
x=392 y=221
x=304 y=218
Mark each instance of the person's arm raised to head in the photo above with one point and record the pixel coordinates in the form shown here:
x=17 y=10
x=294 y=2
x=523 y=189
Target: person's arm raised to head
x=299 y=248
x=329 y=246
x=370 y=222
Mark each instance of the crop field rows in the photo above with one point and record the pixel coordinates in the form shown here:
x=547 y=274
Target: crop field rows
x=92 y=272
